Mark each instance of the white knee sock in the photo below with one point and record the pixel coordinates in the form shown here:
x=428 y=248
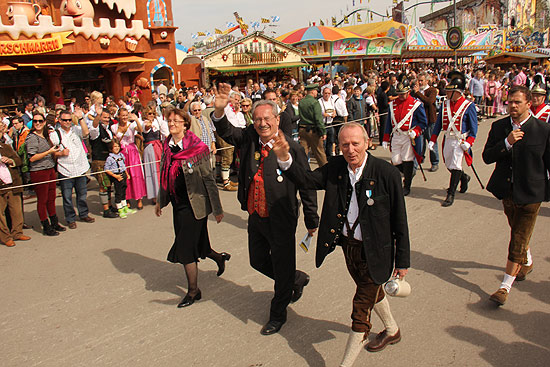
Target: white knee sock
x=225 y=174
x=507 y=282
x=119 y=205
x=124 y=203
x=382 y=309
x=529 y=258
x=353 y=348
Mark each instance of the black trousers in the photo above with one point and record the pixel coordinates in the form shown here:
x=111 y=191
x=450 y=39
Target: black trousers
x=274 y=255
x=120 y=188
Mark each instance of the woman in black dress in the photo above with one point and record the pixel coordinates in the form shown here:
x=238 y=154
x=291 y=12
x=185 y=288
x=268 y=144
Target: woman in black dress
x=187 y=182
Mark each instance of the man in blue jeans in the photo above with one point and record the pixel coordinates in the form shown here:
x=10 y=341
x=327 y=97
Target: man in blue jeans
x=72 y=163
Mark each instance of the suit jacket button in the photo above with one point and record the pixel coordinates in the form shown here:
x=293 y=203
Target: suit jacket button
x=508 y=179
x=338 y=215
x=332 y=231
x=326 y=244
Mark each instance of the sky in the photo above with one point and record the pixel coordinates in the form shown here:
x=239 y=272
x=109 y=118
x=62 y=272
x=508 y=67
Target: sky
x=205 y=15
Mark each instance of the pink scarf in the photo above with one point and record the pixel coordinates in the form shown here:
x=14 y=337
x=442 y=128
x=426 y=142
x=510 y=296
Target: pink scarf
x=193 y=151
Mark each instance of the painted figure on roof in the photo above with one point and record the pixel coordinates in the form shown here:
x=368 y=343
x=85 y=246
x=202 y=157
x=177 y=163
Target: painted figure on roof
x=78 y=9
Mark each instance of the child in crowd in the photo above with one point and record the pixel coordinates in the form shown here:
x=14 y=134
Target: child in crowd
x=115 y=167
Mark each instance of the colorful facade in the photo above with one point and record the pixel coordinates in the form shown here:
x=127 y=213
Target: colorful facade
x=71 y=46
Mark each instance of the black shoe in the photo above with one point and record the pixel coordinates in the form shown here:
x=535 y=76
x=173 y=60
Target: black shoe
x=449 y=200
x=188 y=300
x=55 y=224
x=464 y=179
x=109 y=214
x=221 y=265
x=272 y=327
x=406 y=191
x=48 y=229
x=113 y=209
x=302 y=279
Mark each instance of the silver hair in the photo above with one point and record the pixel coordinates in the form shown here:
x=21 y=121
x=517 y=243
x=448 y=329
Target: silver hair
x=265 y=102
x=195 y=103
x=353 y=124
x=233 y=92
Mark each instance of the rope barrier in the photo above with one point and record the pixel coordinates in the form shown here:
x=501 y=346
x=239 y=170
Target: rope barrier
x=372 y=117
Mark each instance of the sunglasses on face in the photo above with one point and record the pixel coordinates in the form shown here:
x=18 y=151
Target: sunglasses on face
x=66 y=120
x=199 y=110
x=39 y=121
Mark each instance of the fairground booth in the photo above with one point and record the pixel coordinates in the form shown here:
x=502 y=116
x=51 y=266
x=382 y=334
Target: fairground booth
x=253 y=57
x=76 y=46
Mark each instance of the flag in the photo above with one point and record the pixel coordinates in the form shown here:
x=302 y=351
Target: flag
x=353 y=3
x=321 y=22
x=371 y=16
x=346 y=20
x=255 y=24
x=201 y=34
x=265 y=20
x=230 y=25
x=194 y=36
x=334 y=21
x=218 y=31
x=275 y=18
x=358 y=18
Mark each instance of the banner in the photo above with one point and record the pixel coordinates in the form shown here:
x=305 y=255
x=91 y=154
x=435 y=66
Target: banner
x=349 y=47
x=381 y=46
x=33 y=47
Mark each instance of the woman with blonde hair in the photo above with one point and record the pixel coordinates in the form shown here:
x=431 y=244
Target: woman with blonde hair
x=153 y=151
x=126 y=131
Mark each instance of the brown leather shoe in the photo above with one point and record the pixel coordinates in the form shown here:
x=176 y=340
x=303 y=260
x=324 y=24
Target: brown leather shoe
x=88 y=219
x=22 y=238
x=523 y=272
x=10 y=243
x=236 y=184
x=382 y=340
x=71 y=225
x=499 y=297
x=229 y=187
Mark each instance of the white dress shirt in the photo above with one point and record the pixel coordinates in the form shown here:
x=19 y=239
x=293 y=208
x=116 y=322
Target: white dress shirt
x=353 y=210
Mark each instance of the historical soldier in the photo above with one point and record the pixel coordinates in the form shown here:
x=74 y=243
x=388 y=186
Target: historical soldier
x=458 y=118
x=540 y=109
x=404 y=126
x=364 y=213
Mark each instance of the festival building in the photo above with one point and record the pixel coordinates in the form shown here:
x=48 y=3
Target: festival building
x=64 y=46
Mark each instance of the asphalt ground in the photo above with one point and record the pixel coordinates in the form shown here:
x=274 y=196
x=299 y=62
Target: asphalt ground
x=104 y=294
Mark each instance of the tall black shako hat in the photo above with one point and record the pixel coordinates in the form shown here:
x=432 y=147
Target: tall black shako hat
x=457 y=82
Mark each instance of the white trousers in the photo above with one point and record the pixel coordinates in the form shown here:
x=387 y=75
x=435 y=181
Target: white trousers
x=452 y=153
x=401 y=149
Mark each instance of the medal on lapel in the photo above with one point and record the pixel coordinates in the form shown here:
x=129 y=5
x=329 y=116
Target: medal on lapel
x=257 y=156
x=190 y=167
x=279 y=176
x=370 y=201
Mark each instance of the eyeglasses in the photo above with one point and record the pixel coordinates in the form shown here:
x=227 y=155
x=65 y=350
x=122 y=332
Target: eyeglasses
x=260 y=120
x=66 y=120
x=174 y=122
